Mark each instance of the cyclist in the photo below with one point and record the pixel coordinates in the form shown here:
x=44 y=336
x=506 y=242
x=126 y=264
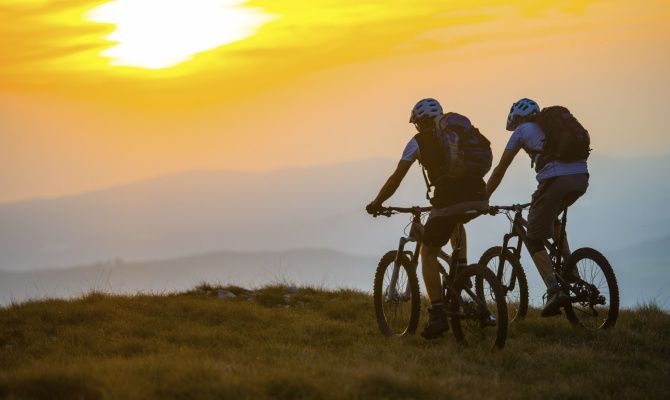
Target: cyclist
x=560 y=184
x=452 y=197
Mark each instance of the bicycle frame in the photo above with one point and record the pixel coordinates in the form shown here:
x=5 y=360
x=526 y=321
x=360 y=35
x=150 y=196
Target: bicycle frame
x=579 y=291
x=518 y=231
x=415 y=236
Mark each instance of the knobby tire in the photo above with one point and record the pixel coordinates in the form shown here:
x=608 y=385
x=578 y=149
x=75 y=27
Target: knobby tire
x=577 y=312
x=516 y=311
x=379 y=295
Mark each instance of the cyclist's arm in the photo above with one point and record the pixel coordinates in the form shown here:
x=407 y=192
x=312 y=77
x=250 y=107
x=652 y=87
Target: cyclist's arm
x=499 y=171
x=392 y=183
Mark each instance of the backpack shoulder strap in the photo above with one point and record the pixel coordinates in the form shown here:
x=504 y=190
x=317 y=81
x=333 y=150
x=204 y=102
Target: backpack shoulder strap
x=428 y=153
x=429 y=186
x=431 y=156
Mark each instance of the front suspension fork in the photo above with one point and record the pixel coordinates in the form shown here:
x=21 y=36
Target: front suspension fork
x=501 y=265
x=392 y=292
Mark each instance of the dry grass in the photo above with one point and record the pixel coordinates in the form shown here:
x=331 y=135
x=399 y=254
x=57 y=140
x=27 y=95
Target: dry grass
x=312 y=344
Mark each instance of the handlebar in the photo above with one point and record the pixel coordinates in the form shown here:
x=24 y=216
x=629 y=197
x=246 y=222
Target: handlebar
x=513 y=207
x=388 y=211
x=492 y=210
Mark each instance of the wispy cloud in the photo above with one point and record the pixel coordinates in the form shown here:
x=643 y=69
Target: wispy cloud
x=50 y=42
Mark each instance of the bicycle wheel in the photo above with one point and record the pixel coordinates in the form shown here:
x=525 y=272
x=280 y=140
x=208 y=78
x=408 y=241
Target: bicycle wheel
x=513 y=280
x=478 y=320
x=397 y=306
x=595 y=296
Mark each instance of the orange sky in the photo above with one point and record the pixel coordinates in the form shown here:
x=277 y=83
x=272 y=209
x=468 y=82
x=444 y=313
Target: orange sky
x=314 y=82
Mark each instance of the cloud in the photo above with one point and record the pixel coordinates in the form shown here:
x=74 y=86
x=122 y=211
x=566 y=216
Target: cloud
x=38 y=26
x=33 y=33
x=50 y=43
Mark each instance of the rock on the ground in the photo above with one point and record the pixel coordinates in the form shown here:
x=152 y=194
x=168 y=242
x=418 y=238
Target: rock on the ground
x=225 y=294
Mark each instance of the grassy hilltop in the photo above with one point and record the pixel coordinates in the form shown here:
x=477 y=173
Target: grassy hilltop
x=310 y=344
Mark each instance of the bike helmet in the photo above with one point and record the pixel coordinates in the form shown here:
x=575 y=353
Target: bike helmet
x=523 y=108
x=426 y=108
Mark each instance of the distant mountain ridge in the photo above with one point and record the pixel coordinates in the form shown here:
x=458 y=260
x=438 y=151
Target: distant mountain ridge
x=320 y=207
x=315 y=267
x=193 y=212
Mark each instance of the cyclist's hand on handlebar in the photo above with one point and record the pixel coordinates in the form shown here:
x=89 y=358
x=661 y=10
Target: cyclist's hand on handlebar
x=374 y=208
x=492 y=210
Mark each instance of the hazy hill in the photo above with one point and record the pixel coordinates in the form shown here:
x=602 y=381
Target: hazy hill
x=325 y=268
x=311 y=344
x=218 y=212
x=321 y=207
x=640 y=280
x=194 y=213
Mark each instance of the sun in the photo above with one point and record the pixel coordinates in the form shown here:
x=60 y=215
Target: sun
x=155 y=34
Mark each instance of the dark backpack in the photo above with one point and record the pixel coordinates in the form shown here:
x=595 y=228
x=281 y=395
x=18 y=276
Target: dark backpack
x=565 y=140
x=455 y=150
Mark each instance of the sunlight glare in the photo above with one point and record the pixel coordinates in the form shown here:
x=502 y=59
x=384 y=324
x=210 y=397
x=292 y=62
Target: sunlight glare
x=156 y=34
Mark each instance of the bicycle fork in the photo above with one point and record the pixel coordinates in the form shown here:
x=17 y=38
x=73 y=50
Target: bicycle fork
x=501 y=264
x=392 y=293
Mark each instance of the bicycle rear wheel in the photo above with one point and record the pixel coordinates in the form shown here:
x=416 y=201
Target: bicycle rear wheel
x=512 y=278
x=397 y=306
x=478 y=317
x=595 y=296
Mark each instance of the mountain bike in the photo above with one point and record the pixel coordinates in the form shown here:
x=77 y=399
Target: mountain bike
x=594 y=293
x=477 y=315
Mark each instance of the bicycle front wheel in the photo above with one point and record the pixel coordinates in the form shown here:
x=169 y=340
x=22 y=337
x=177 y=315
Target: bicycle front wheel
x=512 y=277
x=396 y=295
x=595 y=295
x=478 y=317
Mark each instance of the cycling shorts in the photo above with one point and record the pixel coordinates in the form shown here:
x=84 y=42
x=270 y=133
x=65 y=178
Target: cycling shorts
x=438 y=230
x=550 y=198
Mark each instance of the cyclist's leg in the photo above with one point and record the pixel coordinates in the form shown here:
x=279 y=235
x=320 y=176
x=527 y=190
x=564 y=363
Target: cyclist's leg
x=548 y=202
x=580 y=184
x=543 y=212
x=545 y=207
x=436 y=234
x=555 y=296
x=431 y=272
x=541 y=260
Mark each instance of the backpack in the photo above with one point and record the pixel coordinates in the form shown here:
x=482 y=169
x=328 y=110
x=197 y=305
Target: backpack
x=565 y=140
x=455 y=150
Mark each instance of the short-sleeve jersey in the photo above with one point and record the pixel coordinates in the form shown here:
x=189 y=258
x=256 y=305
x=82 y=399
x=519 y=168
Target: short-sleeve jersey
x=529 y=137
x=411 y=152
